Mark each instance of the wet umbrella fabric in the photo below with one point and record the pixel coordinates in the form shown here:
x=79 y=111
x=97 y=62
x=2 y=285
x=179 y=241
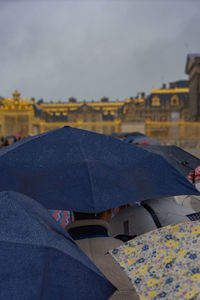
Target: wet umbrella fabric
x=73 y=169
x=164 y=263
x=182 y=160
x=38 y=258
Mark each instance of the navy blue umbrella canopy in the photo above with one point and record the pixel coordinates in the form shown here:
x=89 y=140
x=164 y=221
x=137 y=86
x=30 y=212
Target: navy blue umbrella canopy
x=74 y=169
x=38 y=258
x=182 y=160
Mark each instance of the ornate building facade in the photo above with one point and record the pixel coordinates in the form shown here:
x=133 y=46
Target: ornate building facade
x=163 y=113
x=24 y=116
x=193 y=70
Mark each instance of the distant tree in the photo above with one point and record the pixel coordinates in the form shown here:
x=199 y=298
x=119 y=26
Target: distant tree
x=72 y=100
x=40 y=101
x=104 y=99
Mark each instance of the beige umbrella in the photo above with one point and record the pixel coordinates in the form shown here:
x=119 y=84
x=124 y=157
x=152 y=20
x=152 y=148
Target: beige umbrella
x=164 y=263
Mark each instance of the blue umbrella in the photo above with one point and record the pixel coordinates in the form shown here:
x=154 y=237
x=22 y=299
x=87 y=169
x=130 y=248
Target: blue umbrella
x=182 y=160
x=38 y=258
x=73 y=169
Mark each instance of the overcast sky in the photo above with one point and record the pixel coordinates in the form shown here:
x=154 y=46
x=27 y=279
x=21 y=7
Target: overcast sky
x=89 y=49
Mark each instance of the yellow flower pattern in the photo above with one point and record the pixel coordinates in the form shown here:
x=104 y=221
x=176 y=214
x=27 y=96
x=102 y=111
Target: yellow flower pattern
x=176 y=228
x=131 y=261
x=196 y=277
x=182 y=252
x=195 y=230
x=152 y=295
x=152 y=282
x=190 y=294
x=143 y=269
x=128 y=251
x=164 y=263
x=172 y=244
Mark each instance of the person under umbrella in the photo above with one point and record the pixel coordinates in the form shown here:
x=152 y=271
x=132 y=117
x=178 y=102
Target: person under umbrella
x=149 y=215
x=141 y=140
x=39 y=260
x=191 y=201
x=90 y=232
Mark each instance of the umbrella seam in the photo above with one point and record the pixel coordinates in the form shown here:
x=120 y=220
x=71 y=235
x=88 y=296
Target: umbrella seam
x=63 y=233
x=85 y=159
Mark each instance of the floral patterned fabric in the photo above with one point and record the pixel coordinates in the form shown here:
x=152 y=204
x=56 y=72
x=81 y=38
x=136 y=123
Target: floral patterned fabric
x=164 y=263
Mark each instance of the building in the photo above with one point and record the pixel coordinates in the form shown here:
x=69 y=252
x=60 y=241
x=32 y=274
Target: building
x=165 y=113
x=193 y=70
x=184 y=130
x=24 y=116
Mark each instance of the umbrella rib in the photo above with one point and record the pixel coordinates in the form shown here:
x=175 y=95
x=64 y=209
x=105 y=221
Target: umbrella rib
x=86 y=160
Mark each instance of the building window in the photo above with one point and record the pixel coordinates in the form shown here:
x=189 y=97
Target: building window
x=163 y=118
x=93 y=118
x=174 y=100
x=155 y=101
x=105 y=130
x=175 y=116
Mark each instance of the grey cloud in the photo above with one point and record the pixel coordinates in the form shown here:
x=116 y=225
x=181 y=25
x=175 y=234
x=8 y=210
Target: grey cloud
x=91 y=49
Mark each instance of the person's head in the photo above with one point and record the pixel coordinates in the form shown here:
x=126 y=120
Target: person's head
x=5 y=143
x=105 y=215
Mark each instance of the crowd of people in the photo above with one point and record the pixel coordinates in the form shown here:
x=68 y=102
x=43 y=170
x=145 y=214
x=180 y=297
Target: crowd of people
x=96 y=234
x=8 y=140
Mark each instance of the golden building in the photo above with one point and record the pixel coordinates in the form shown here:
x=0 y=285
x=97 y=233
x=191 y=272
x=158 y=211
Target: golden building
x=166 y=113
x=184 y=126
x=27 y=117
x=16 y=116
